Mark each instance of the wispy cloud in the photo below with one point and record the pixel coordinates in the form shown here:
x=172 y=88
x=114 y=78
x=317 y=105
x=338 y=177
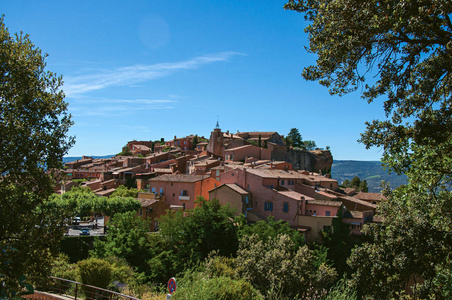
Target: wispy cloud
x=117 y=107
x=136 y=74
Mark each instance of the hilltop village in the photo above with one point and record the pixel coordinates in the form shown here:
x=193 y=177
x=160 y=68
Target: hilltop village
x=255 y=172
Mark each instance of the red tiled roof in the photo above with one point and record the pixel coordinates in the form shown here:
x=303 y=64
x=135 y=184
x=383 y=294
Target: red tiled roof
x=180 y=178
x=237 y=188
x=370 y=196
x=325 y=203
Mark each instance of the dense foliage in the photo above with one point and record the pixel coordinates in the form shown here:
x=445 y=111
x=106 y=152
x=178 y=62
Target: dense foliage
x=406 y=46
x=357 y=184
x=276 y=268
x=33 y=127
x=83 y=202
x=127 y=238
x=123 y=191
x=206 y=228
x=294 y=139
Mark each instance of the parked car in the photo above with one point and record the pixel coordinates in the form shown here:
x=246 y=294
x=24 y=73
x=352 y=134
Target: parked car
x=85 y=231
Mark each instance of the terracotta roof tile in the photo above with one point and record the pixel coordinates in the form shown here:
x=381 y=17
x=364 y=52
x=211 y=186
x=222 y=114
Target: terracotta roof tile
x=370 y=196
x=325 y=203
x=180 y=178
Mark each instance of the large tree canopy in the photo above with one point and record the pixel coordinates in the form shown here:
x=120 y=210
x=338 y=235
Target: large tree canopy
x=397 y=48
x=400 y=50
x=33 y=127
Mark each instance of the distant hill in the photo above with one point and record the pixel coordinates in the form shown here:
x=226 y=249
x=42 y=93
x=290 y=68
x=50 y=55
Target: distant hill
x=372 y=171
x=73 y=158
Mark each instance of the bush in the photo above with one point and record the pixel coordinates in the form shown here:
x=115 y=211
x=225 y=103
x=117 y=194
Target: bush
x=122 y=274
x=220 y=266
x=62 y=268
x=218 y=288
x=95 y=271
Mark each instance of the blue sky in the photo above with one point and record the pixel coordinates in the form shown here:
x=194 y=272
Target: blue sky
x=150 y=69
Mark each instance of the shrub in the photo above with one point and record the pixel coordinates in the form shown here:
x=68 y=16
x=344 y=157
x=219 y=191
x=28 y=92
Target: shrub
x=95 y=271
x=218 y=288
x=62 y=268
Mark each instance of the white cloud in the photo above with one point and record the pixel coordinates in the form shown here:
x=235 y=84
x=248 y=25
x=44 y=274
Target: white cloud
x=85 y=106
x=136 y=74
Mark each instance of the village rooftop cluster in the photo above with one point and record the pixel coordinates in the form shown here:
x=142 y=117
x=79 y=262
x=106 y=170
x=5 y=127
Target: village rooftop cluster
x=255 y=172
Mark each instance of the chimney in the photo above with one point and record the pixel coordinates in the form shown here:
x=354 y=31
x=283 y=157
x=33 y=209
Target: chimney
x=227 y=132
x=174 y=137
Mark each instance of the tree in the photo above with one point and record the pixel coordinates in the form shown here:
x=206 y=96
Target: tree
x=123 y=191
x=270 y=228
x=294 y=138
x=125 y=151
x=414 y=245
x=277 y=268
x=194 y=142
x=355 y=182
x=205 y=228
x=127 y=238
x=406 y=47
x=82 y=201
x=33 y=127
x=309 y=145
x=363 y=186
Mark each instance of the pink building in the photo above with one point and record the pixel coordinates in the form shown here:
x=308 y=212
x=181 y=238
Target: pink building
x=182 y=190
x=243 y=152
x=273 y=194
x=269 y=197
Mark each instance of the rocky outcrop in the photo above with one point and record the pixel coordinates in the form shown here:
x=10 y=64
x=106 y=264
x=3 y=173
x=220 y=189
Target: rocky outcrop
x=322 y=161
x=314 y=161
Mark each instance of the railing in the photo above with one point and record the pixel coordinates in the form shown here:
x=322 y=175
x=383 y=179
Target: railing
x=79 y=290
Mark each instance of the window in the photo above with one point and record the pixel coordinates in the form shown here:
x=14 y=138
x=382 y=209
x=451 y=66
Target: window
x=183 y=193
x=161 y=191
x=153 y=189
x=286 y=207
x=327 y=213
x=282 y=181
x=246 y=199
x=270 y=186
x=268 y=206
x=183 y=205
x=218 y=172
x=327 y=228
